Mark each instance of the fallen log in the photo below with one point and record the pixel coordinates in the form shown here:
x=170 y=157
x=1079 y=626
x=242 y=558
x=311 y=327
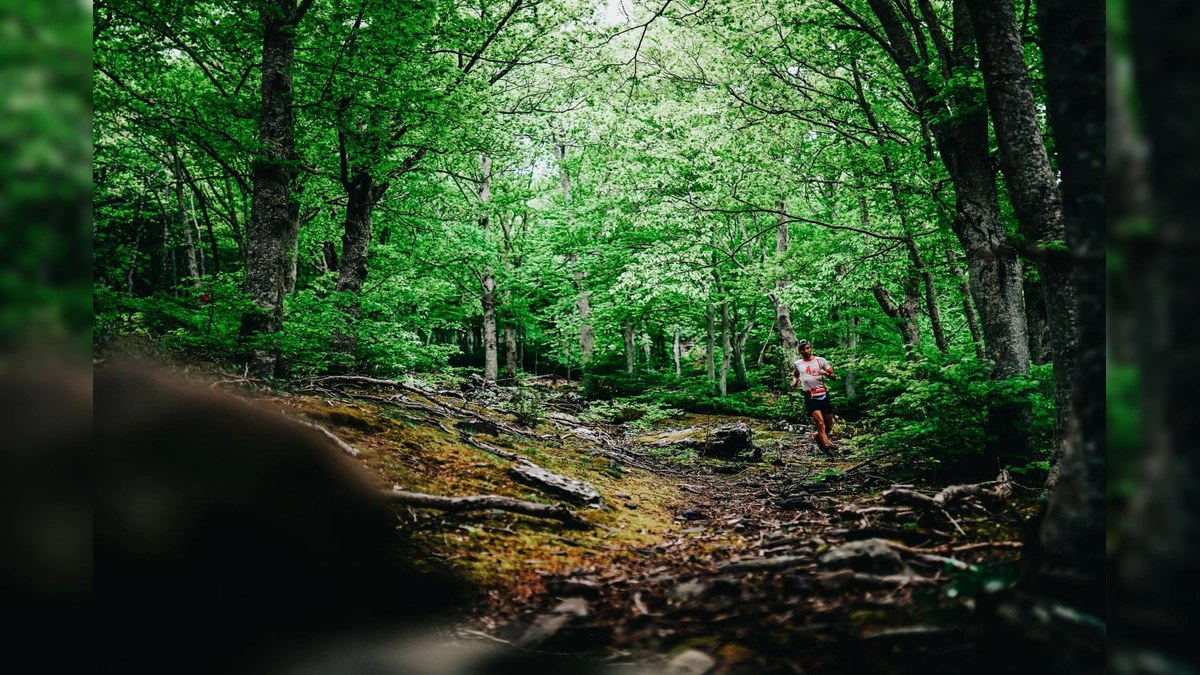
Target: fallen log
x=996 y=491
x=481 y=502
x=840 y=578
x=956 y=548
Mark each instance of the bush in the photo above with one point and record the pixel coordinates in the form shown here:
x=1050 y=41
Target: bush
x=637 y=412
x=191 y=318
x=936 y=409
x=527 y=406
x=208 y=320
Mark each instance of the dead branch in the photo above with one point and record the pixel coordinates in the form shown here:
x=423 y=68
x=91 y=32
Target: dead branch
x=483 y=502
x=907 y=496
x=952 y=548
x=511 y=456
x=342 y=445
x=876 y=579
x=759 y=564
x=994 y=491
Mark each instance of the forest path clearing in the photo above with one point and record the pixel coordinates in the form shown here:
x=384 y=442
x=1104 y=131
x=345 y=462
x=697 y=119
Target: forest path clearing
x=795 y=563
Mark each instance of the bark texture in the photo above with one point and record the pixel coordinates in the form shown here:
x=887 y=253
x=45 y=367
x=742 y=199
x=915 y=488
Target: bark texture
x=1032 y=188
x=962 y=142
x=487 y=282
x=362 y=193
x=274 y=226
x=587 y=335
x=783 y=315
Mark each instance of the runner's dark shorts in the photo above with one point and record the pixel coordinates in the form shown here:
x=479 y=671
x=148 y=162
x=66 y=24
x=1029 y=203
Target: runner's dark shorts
x=823 y=404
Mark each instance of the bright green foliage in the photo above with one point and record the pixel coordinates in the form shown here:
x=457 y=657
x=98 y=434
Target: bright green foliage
x=184 y=320
x=636 y=412
x=935 y=409
x=528 y=406
x=44 y=183
x=638 y=179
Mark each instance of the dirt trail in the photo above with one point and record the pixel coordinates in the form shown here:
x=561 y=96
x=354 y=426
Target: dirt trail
x=785 y=565
x=741 y=579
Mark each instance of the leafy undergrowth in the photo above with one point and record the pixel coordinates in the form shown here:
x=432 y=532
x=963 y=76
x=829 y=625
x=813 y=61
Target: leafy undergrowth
x=670 y=564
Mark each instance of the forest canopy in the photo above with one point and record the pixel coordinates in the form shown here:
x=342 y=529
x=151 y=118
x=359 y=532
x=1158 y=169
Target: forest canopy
x=658 y=198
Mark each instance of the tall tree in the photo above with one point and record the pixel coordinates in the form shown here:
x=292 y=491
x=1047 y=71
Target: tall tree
x=960 y=130
x=783 y=314
x=1031 y=188
x=271 y=234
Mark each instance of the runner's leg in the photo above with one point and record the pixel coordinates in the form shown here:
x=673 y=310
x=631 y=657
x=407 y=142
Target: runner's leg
x=819 y=423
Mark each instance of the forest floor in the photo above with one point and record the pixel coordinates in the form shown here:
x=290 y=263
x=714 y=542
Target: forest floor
x=792 y=562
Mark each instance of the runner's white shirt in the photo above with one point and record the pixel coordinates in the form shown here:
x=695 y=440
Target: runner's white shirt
x=812 y=375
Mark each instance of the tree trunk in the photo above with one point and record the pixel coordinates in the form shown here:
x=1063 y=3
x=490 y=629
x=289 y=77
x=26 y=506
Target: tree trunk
x=510 y=351
x=329 y=256
x=1040 y=350
x=723 y=384
x=1031 y=186
x=783 y=315
x=739 y=348
x=902 y=316
x=587 y=336
x=711 y=345
x=964 y=288
x=762 y=353
x=910 y=243
x=185 y=222
x=491 y=361
x=361 y=195
x=627 y=334
x=678 y=350
x=851 y=346
x=931 y=306
x=993 y=267
x=1156 y=620
x=202 y=198
x=487 y=299
x=274 y=226
x=168 y=254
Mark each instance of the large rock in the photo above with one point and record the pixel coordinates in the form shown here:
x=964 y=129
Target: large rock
x=872 y=556
x=729 y=441
x=555 y=484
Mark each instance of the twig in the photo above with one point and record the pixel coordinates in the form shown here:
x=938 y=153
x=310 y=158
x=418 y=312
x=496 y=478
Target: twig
x=951 y=548
x=954 y=522
x=238 y=380
x=511 y=456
